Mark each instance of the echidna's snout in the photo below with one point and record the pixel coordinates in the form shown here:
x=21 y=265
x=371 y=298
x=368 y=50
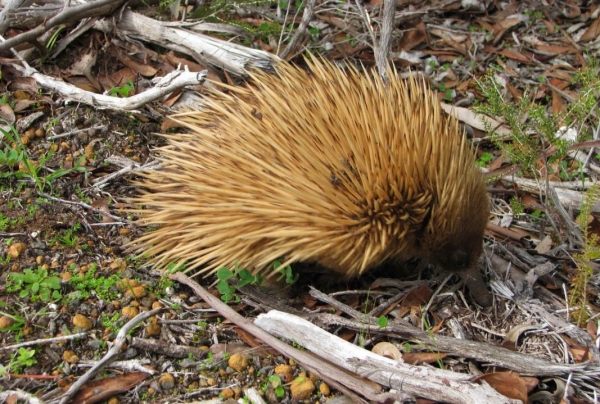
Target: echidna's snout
x=464 y=262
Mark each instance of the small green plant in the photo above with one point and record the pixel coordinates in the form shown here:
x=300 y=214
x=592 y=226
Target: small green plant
x=485 y=159
x=297 y=346
x=590 y=251
x=517 y=206
x=276 y=384
x=533 y=129
x=33 y=169
x=123 y=91
x=52 y=42
x=286 y=273
x=4 y=222
x=537 y=215
x=22 y=359
x=429 y=331
x=172 y=268
x=10 y=158
x=225 y=274
x=36 y=285
x=101 y=286
x=68 y=239
x=382 y=322
x=18 y=321
x=113 y=322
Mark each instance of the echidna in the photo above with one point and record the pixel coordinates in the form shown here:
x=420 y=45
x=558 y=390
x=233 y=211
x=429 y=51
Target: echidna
x=327 y=166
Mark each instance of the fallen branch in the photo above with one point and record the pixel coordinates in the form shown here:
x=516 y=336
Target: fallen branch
x=204 y=49
x=163 y=85
x=430 y=383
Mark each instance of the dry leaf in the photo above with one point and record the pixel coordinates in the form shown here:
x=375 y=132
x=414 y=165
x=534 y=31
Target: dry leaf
x=418 y=358
x=102 y=389
x=508 y=384
x=387 y=350
x=592 y=32
x=467 y=116
x=139 y=67
x=413 y=37
x=7 y=114
x=545 y=245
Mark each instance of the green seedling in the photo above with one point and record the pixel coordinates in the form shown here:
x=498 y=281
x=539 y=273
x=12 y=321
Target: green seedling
x=36 y=285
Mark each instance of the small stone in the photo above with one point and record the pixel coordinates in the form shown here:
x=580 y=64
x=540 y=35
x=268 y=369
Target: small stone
x=124 y=284
x=227 y=393
x=129 y=312
x=301 y=388
x=167 y=381
x=39 y=259
x=238 y=362
x=16 y=249
x=40 y=133
x=113 y=400
x=81 y=321
x=65 y=276
x=211 y=381
x=27 y=330
x=153 y=329
x=136 y=292
x=89 y=151
x=285 y=372
x=70 y=357
x=324 y=389
x=6 y=322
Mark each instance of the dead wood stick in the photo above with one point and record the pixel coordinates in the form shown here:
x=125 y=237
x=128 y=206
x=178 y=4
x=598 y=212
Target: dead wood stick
x=431 y=383
x=203 y=48
x=173 y=81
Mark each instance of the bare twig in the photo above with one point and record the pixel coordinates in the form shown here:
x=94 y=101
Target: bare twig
x=163 y=86
x=85 y=206
x=309 y=11
x=43 y=341
x=382 y=49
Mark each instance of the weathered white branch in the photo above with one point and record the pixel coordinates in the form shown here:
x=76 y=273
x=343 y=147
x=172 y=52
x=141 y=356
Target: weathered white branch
x=203 y=48
x=164 y=85
x=431 y=383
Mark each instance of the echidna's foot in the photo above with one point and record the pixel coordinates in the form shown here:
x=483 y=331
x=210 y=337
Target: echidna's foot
x=474 y=282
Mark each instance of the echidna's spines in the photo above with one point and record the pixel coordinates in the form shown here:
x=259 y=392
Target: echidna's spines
x=329 y=166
